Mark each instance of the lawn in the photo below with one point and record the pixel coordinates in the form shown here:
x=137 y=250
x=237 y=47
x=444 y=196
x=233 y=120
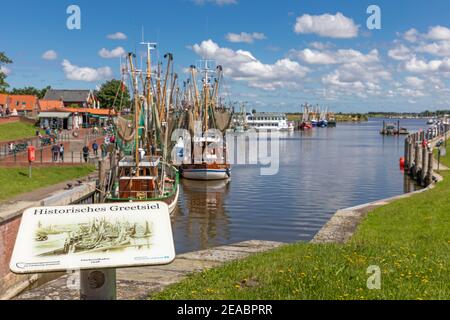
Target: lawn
x=16 y=131
x=14 y=181
x=409 y=240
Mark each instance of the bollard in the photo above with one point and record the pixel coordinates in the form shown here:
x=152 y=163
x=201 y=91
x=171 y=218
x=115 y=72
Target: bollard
x=98 y=285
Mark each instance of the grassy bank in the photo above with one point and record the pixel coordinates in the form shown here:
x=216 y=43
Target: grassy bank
x=409 y=240
x=15 y=181
x=16 y=131
x=445 y=160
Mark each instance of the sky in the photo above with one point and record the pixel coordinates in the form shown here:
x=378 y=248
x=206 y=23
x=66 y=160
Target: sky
x=276 y=54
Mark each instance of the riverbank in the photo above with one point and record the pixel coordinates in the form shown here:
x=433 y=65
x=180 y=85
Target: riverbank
x=17 y=130
x=408 y=239
x=41 y=177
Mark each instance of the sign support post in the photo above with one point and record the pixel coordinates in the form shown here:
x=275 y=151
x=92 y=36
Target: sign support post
x=98 y=285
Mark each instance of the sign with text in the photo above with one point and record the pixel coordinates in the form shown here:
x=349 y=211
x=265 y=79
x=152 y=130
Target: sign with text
x=116 y=235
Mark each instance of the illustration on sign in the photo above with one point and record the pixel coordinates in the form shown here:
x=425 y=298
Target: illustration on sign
x=93 y=236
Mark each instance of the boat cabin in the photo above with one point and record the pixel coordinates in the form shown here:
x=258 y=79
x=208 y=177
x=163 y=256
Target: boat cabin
x=139 y=183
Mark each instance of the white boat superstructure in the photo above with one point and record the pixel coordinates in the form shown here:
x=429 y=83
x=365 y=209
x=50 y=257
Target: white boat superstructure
x=268 y=121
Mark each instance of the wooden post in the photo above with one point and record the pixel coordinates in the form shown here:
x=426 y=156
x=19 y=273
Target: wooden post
x=430 y=172
x=424 y=165
x=416 y=159
x=406 y=154
x=98 y=285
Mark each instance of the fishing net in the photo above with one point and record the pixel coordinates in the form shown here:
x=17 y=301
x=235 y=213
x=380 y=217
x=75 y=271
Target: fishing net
x=125 y=129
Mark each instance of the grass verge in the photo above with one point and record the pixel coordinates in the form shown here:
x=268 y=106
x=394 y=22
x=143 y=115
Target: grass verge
x=15 y=181
x=16 y=131
x=409 y=240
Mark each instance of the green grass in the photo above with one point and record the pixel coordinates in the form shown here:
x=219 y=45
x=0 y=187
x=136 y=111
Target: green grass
x=444 y=160
x=16 y=131
x=409 y=240
x=14 y=181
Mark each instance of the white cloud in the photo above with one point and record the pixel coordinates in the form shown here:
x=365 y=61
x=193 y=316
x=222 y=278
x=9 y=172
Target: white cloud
x=358 y=74
x=5 y=70
x=117 y=36
x=87 y=74
x=245 y=37
x=109 y=54
x=415 y=82
x=327 y=25
x=321 y=45
x=335 y=57
x=440 y=49
x=438 y=33
x=400 y=53
x=417 y=65
x=412 y=35
x=243 y=66
x=217 y=2
x=50 y=55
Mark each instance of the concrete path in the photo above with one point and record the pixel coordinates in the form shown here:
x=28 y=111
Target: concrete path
x=140 y=283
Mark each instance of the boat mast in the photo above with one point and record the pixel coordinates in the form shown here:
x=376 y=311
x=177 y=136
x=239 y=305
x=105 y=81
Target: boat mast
x=149 y=91
x=136 y=111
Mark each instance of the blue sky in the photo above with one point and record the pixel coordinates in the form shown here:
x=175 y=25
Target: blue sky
x=276 y=54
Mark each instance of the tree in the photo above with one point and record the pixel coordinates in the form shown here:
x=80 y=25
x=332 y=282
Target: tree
x=3 y=61
x=32 y=91
x=113 y=94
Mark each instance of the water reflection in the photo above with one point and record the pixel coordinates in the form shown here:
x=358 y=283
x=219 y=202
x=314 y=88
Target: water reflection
x=201 y=220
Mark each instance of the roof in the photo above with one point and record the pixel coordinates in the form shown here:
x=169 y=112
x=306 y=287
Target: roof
x=3 y=98
x=58 y=115
x=19 y=102
x=68 y=95
x=98 y=112
x=47 y=105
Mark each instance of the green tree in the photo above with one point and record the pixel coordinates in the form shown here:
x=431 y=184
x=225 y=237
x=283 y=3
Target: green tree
x=40 y=93
x=3 y=61
x=113 y=94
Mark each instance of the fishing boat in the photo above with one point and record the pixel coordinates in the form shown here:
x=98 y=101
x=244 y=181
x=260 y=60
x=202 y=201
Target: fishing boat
x=140 y=169
x=212 y=162
x=306 y=124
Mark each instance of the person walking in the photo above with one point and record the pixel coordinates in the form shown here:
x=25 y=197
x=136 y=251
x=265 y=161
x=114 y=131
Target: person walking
x=86 y=153
x=95 y=148
x=55 y=150
x=61 y=152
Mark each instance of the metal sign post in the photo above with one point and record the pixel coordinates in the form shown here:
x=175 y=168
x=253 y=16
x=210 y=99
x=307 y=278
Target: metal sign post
x=98 y=284
x=96 y=239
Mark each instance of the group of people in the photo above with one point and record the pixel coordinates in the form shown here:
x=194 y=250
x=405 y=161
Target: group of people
x=58 y=152
x=109 y=140
x=4 y=113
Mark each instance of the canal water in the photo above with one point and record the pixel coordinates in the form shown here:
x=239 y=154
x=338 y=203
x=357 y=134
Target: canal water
x=321 y=171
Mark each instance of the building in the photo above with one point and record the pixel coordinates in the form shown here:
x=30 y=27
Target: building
x=74 y=118
x=24 y=105
x=72 y=98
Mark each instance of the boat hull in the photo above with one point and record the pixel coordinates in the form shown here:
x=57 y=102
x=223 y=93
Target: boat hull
x=206 y=172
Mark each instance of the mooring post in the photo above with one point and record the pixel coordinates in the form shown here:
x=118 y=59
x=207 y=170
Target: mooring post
x=98 y=285
x=416 y=159
x=424 y=165
x=406 y=154
x=430 y=173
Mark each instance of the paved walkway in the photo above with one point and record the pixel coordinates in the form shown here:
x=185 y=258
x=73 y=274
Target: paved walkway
x=140 y=283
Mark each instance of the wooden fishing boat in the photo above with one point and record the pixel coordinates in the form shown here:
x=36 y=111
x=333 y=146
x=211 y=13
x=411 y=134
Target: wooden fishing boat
x=211 y=166
x=142 y=171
